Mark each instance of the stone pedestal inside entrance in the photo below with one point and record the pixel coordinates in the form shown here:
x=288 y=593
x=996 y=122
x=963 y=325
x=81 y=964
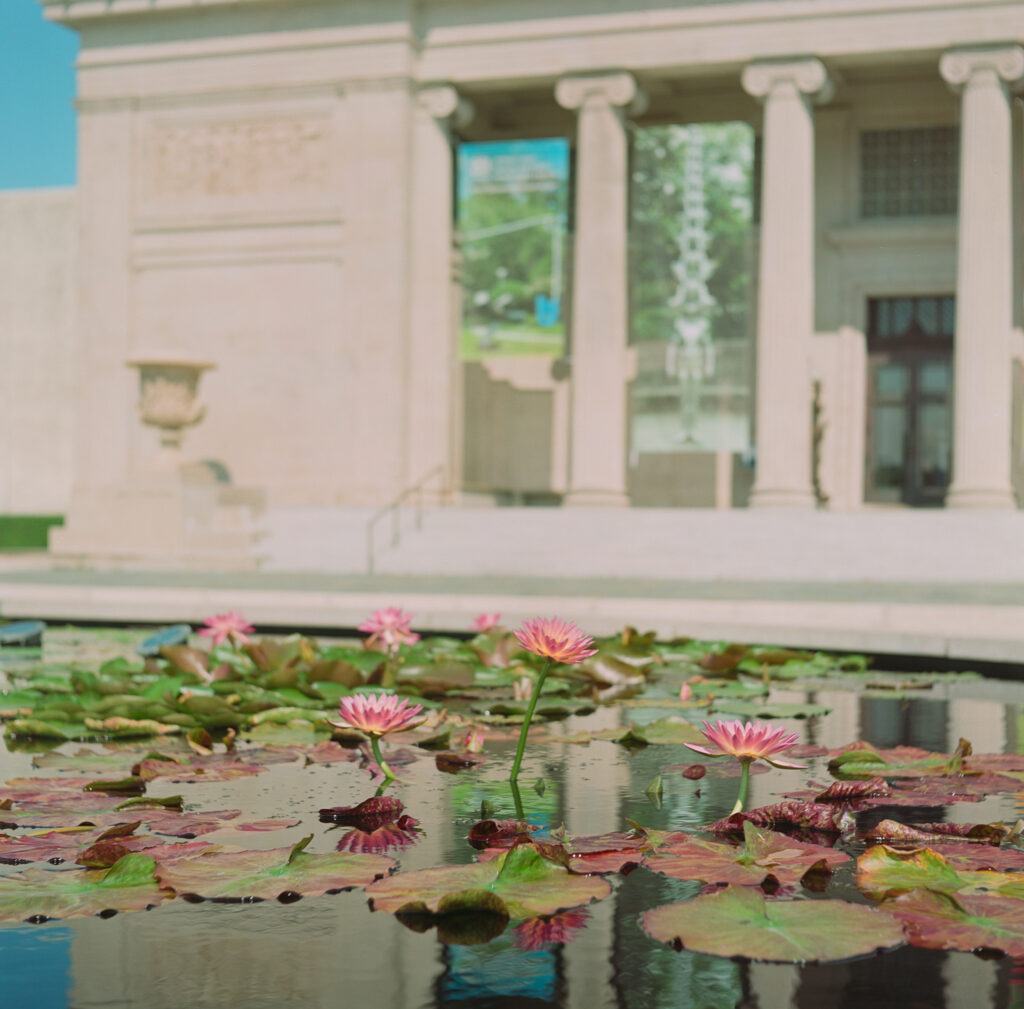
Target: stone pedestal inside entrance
x=173 y=513
x=183 y=518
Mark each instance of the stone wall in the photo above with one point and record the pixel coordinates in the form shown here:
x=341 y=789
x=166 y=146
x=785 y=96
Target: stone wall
x=37 y=369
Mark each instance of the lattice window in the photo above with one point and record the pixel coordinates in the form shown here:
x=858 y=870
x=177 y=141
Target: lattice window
x=909 y=172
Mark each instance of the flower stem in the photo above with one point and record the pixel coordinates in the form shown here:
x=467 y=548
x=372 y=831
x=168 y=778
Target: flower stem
x=389 y=676
x=526 y=721
x=517 y=799
x=375 y=743
x=741 y=799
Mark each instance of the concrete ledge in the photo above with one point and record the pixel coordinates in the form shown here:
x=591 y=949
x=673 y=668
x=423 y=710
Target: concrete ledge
x=980 y=632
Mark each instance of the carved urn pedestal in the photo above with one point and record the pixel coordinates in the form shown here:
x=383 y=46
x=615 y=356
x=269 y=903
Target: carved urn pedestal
x=172 y=513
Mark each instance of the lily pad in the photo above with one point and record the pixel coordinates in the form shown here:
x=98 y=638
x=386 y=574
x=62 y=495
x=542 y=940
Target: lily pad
x=526 y=883
x=39 y=894
x=886 y=872
x=264 y=875
x=762 y=854
x=764 y=709
x=964 y=922
x=739 y=922
x=819 y=816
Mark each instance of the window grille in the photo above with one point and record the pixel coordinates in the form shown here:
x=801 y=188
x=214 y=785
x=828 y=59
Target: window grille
x=909 y=172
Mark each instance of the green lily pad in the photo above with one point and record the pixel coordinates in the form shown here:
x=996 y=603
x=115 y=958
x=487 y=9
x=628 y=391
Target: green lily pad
x=885 y=872
x=38 y=894
x=761 y=709
x=739 y=922
x=264 y=875
x=527 y=884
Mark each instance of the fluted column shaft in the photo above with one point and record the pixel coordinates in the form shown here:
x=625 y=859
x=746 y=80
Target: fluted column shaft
x=433 y=320
x=984 y=310
x=600 y=325
x=785 y=309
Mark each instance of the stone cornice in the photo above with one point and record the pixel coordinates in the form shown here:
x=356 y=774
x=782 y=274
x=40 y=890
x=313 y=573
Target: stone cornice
x=958 y=66
x=618 y=88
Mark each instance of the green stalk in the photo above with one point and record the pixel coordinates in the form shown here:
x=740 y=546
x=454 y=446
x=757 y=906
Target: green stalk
x=389 y=676
x=526 y=721
x=517 y=799
x=741 y=799
x=375 y=743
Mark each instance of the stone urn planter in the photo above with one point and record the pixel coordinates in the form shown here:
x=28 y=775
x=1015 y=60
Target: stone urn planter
x=169 y=398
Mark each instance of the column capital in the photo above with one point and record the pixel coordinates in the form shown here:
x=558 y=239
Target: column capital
x=445 y=104
x=958 y=66
x=619 y=89
x=807 y=75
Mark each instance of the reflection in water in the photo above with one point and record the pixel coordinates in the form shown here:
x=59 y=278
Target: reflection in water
x=500 y=975
x=915 y=722
x=35 y=966
x=332 y=951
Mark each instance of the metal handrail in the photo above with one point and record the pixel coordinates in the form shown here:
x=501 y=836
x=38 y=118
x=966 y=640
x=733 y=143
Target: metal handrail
x=394 y=510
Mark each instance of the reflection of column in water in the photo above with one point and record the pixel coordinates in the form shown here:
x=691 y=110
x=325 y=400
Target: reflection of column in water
x=889 y=722
x=775 y=984
x=970 y=981
x=648 y=975
x=842 y=724
x=595 y=780
x=981 y=722
x=898 y=980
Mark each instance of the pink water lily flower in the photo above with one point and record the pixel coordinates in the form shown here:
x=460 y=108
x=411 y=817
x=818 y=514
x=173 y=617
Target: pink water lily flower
x=486 y=621
x=377 y=714
x=231 y=626
x=748 y=741
x=555 y=639
x=389 y=627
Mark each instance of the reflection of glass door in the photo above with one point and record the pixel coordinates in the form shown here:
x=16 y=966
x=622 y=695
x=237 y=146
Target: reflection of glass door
x=910 y=387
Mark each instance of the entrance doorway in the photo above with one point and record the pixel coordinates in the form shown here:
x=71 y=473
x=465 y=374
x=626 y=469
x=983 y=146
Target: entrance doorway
x=910 y=397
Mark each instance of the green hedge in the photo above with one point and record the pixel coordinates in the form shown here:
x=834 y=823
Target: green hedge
x=26 y=532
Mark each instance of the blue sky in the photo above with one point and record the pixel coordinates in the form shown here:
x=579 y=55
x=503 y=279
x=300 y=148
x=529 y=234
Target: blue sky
x=37 y=86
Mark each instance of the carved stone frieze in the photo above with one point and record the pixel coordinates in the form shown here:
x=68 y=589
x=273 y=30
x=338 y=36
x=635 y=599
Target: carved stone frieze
x=211 y=161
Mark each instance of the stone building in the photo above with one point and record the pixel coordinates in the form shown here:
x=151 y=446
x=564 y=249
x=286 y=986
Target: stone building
x=269 y=188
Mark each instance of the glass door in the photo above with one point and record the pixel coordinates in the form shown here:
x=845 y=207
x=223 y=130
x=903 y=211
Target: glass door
x=910 y=389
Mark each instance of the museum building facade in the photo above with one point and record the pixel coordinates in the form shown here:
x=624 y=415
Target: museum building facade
x=269 y=191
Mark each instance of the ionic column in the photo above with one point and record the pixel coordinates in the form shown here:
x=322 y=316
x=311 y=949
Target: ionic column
x=434 y=312
x=600 y=324
x=982 y=400
x=785 y=304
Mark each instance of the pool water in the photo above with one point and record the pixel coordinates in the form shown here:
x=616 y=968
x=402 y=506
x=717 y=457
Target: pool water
x=333 y=951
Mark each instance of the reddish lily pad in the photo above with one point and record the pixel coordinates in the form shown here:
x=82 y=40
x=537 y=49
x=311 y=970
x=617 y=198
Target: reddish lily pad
x=106 y=853
x=964 y=922
x=328 y=752
x=739 y=922
x=762 y=854
x=526 y=883
x=196 y=771
x=823 y=817
x=884 y=872
x=39 y=894
x=600 y=853
x=368 y=815
x=265 y=875
x=846 y=791
x=499 y=833
x=266 y=825
x=891 y=831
